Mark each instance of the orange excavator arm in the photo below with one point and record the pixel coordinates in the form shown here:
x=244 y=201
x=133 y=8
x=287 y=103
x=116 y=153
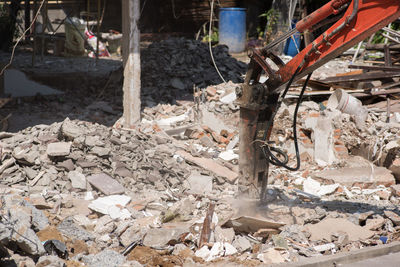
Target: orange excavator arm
x=260 y=101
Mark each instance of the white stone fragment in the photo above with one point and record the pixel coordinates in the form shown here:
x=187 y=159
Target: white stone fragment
x=229 y=249
x=328 y=189
x=229 y=98
x=111 y=205
x=325 y=247
x=228 y=155
x=311 y=186
x=172 y=120
x=203 y=253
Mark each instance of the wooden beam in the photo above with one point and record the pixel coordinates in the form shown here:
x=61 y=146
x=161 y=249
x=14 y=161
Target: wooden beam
x=131 y=56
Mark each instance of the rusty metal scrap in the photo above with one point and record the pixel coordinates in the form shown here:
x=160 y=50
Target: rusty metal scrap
x=206 y=230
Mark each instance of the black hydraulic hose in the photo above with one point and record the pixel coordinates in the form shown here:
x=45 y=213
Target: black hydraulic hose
x=267 y=150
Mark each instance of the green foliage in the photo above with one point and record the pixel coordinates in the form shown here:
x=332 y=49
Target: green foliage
x=214 y=35
x=272 y=18
x=379 y=38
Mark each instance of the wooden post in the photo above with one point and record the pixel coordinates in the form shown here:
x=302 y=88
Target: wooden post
x=131 y=56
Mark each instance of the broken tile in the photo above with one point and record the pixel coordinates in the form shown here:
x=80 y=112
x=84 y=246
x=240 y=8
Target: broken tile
x=105 y=184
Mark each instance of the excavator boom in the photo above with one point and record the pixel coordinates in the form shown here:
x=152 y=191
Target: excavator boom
x=259 y=101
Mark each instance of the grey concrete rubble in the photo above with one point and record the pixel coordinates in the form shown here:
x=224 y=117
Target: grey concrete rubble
x=112 y=196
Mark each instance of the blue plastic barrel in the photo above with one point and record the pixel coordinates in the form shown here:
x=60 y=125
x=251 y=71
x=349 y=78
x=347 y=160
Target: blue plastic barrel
x=291 y=49
x=292 y=44
x=232 y=28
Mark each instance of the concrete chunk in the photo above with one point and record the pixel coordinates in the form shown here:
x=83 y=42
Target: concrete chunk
x=324 y=229
x=357 y=176
x=105 y=184
x=112 y=205
x=163 y=236
x=200 y=184
x=77 y=179
x=58 y=149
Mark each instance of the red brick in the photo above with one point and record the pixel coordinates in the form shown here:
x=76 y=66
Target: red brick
x=216 y=137
x=211 y=91
x=306 y=173
x=314 y=115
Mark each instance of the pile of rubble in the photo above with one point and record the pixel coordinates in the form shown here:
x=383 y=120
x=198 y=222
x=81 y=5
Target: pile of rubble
x=173 y=67
x=165 y=193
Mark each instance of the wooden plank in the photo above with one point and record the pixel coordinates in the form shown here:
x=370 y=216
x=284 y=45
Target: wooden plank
x=381 y=68
x=361 y=77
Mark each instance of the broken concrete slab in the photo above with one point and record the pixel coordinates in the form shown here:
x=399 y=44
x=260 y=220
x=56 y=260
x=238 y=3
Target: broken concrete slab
x=325 y=228
x=224 y=235
x=357 y=176
x=68 y=228
x=374 y=224
x=228 y=155
x=105 y=258
x=160 y=237
x=112 y=205
x=395 y=218
x=16 y=228
x=241 y=243
x=70 y=130
x=78 y=180
x=311 y=186
x=105 y=184
x=59 y=149
x=328 y=189
x=200 y=184
x=271 y=256
x=323 y=142
x=210 y=165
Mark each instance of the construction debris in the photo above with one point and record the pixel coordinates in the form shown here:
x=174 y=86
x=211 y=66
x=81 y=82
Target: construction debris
x=77 y=191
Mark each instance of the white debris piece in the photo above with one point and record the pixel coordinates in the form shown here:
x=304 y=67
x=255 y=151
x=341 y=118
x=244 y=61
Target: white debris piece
x=200 y=184
x=229 y=249
x=229 y=98
x=233 y=143
x=228 y=155
x=203 y=253
x=323 y=144
x=325 y=247
x=311 y=186
x=216 y=251
x=172 y=120
x=110 y=205
x=89 y=195
x=328 y=189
